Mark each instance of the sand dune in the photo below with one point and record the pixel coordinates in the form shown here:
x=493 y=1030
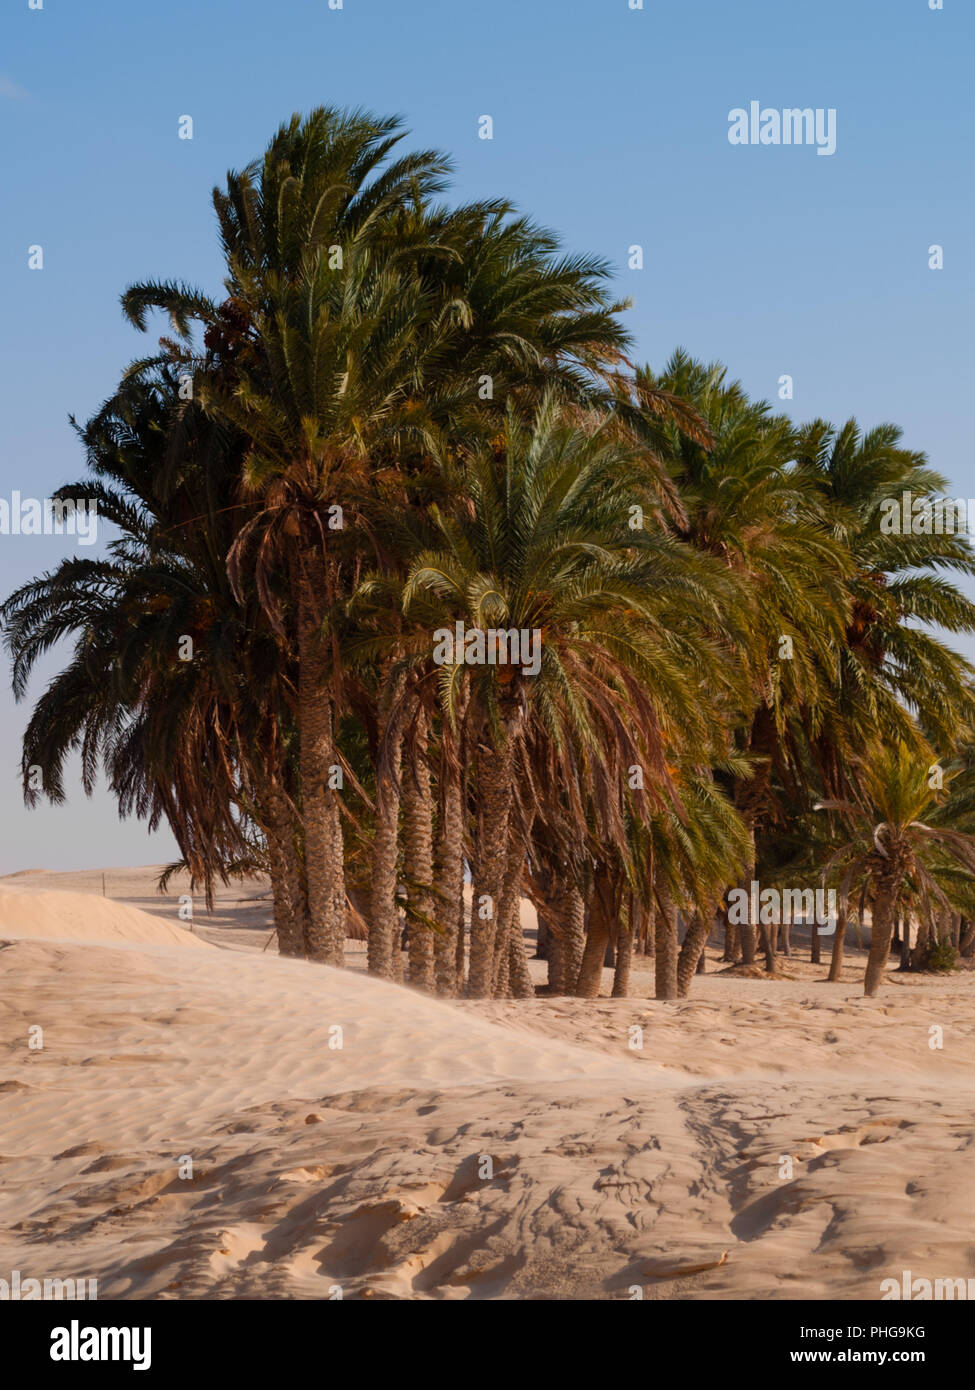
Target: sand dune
x=770 y=1139
x=71 y=916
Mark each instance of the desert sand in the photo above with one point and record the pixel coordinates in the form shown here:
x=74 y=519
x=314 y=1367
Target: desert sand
x=770 y=1139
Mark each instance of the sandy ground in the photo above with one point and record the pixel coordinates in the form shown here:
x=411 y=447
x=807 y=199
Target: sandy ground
x=762 y=1139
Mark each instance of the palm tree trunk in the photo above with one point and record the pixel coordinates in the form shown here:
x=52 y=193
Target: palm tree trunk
x=460 y=960
x=624 y=951
x=691 y=952
x=732 y=939
x=920 y=947
x=384 y=914
x=881 y=930
x=324 y=847
x=839 y=941
x=565 y=914
x=502 y=966
x=510 y=919
x=556 y=965
x=417 y=803
x=572 y=920
x=494 y=768
x=665 y=963
x=287 y=890
x=520 y=980
x=748 y=931
x=966 y=944
x=449 y=859
x=815 y=949
x=598 y=934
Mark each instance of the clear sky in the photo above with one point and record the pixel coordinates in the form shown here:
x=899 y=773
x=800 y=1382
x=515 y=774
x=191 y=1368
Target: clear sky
x=610 y=125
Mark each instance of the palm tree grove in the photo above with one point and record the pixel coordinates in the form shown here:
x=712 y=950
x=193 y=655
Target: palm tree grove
x=424 y=596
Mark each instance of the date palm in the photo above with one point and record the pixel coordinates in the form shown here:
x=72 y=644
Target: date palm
x=897 y=844
x=742 y=503
x=901 y=588
x=539 y=542
x=325 y=319
x=161 y=686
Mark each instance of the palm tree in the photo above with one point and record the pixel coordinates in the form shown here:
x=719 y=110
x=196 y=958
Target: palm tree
x=357 y=317
x=326 y=317
x=541 y=546
x=892 y=663
x=740 y=501
x=896 y=844
x=167 y=687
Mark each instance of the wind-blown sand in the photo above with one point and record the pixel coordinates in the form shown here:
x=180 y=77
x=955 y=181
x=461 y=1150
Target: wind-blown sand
x=457 y=1150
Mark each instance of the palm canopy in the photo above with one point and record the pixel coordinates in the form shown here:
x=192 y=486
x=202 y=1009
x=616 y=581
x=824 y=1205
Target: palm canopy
x=540 y=543
x=901 y=588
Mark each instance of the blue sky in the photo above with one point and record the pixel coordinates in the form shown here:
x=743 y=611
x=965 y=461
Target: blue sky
x=610 y=125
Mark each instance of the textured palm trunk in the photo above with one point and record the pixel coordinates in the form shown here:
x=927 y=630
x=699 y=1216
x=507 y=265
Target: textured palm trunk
x=966 y=942
x=665 y=962
x=572 y=921
x=601 y=921
x=722 y=917
x=920 y=948
x=881 y=931
x=748 y=930
x=383 y=942
x=591 y=969
x=460 y=960
x=767 y=936
x=815 y=950
x=287 y=889
x=638 y=917
x=732 y=940
x=417 y=809
x=449 y=881
x=563 y=913
x=502 y=968
x=691 y=953
x=624 y=953
x=748 y=936
x=839 y=941
x=321 y=816
x=520 y=980
x=512 y=975
x=494 y=770
x=556 y=965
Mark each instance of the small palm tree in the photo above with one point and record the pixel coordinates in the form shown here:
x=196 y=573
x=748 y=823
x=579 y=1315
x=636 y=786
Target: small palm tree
x=896 y=846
